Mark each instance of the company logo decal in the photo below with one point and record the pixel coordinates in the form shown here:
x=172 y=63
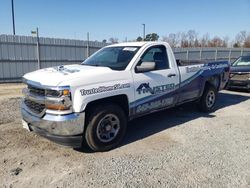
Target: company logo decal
x=154 y=105
x=193 y=69
x=205 y=67
x=102 y=89
x=214 y=66
x=145 y=88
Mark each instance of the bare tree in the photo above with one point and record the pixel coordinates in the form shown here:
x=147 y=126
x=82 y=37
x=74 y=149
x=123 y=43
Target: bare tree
x=197 y=43
x=173 y=39
x=191 y=39
x=184 y=40
x=225 y=41
x=247 y=41
x=192 y=36
x=113 y=40
x=244 y=38
x=240 y=38
x=204 y=41
x=216 y=42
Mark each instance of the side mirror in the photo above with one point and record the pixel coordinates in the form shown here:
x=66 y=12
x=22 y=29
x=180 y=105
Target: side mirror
x=145 y=67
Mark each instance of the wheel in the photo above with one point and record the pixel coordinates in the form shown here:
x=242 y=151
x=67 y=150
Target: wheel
x=208 y=99
x=106 y=127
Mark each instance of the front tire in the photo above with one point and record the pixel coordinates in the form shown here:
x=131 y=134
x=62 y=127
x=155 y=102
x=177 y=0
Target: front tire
x=106 y=127
x=208 y=99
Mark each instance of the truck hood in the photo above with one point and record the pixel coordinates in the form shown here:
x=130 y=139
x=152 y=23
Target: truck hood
x=54 y=76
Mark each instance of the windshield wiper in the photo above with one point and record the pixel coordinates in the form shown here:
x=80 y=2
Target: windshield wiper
x=95 y=65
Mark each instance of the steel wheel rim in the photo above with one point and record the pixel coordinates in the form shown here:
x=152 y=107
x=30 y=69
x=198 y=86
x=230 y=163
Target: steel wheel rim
x=108 y=128
x=210 y=99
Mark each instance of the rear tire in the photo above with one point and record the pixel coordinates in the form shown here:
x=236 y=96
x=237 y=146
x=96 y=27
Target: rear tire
x=106 y=127
x=208 y=99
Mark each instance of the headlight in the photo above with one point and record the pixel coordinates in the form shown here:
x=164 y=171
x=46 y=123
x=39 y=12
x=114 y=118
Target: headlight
x=57 y=93
x=58 y=99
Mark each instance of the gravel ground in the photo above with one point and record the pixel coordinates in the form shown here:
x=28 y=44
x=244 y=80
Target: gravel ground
x=180 y=147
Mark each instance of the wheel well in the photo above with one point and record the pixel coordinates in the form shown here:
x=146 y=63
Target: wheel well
x=214 y=81
x=121 y=100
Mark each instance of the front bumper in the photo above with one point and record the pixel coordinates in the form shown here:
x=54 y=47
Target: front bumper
x=66 y=130
x=239 y=84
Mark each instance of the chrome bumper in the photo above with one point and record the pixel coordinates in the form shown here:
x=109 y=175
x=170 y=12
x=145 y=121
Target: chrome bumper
x=63 y=129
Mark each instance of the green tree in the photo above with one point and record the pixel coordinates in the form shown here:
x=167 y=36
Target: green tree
x=152 y=37
x=236 y=45
x=139 y=39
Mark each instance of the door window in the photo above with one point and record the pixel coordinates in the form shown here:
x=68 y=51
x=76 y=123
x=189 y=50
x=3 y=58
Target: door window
x=158 y=55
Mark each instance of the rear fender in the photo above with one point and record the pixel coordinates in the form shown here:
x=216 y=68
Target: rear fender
x=214 y=81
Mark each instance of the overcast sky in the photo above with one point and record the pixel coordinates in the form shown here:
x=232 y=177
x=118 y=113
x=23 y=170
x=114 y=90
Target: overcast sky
x=124 y=18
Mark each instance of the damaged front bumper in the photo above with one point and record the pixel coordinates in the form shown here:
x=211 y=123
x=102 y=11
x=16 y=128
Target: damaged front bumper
x=65 y=130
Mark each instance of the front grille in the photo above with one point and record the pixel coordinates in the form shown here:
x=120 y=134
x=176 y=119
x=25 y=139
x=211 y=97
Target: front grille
x=240 y=77
x=36 y=91
x=34 y=106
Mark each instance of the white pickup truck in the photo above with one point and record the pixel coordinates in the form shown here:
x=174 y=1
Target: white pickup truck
x=93 y=101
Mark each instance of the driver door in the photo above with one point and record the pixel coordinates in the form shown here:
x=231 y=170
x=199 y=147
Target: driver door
x=154 y=89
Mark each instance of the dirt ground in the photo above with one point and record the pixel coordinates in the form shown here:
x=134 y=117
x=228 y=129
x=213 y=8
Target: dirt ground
x=8 y=91
x=179 y=147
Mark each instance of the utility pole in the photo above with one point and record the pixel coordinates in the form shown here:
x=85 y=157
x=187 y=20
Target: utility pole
x=13 y=18
x=35 y=33
x=144 y=31
x=37 y=47
x=87 y=44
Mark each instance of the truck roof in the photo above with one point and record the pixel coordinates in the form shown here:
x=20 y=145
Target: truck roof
x=136 y=43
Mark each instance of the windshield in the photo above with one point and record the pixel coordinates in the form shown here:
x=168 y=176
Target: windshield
x=116 y=58
x=242 y=61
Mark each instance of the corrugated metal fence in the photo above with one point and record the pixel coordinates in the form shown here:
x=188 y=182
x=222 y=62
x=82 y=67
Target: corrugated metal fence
x=18 y=54
x=213 y=54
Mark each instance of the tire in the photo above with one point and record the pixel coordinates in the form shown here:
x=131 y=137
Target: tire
x=106 y=127
x=208 y=99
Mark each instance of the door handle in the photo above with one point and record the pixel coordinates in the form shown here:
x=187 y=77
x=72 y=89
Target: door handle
x=171 y=75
